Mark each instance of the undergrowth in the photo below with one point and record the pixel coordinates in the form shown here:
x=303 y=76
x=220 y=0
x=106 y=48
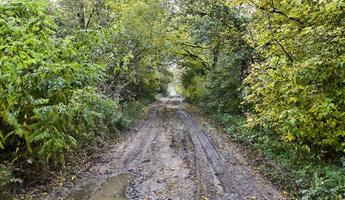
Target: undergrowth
x=300 y=174
x=15 y=175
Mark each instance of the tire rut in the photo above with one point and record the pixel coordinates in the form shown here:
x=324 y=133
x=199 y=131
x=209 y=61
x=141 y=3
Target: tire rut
x=170 y=156
x=237 y=179
x=135 y=151
x=203 y=146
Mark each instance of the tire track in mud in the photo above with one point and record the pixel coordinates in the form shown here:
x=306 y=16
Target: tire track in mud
x=171 y=157
x=203 y=148
x=121 y=160
x=237 y=181
x=134 y=151
x=161 y=171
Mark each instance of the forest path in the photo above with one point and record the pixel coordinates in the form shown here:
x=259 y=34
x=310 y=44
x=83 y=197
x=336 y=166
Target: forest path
x=173 y=155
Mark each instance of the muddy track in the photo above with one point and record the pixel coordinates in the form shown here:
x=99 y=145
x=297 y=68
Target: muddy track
x=204 y=148
x=171 y=156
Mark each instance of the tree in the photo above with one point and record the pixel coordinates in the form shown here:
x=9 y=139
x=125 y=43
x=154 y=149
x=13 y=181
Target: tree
x=214 y=53
x=298 y=87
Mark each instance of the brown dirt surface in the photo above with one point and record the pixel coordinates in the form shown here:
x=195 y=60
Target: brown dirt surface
x=172 y=155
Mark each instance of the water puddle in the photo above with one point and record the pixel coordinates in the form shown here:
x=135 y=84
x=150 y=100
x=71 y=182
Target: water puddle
x=114 y=188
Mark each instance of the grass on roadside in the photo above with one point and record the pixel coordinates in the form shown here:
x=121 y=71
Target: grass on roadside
x=301 y=175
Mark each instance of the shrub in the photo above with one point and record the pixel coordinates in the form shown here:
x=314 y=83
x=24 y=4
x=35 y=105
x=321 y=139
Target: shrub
x=47 y=98
x=298 y=87
x=300 y=174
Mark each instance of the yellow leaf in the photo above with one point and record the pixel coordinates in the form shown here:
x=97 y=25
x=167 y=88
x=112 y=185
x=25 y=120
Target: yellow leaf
x=290 y=137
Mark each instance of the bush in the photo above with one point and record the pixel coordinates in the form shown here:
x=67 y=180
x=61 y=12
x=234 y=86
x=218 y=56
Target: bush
x=67 y=83
x=298 y=172
x=130 y=113
x=48 y=101
x=298 y=87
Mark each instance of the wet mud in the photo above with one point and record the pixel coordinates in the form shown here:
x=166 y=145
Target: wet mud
x=172 y=155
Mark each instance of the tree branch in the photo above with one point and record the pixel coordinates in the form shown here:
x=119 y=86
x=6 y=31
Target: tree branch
x=98 y=2
x=190 y=54
x=277 y=11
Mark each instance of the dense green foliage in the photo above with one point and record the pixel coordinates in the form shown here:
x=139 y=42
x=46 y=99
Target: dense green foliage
x=72 y=73
x=44 y=84
x=214 y=54
x=127 y=37
x=298 y=174
x=298 y=89
x=281 y=63
x=272 y=72
x=295 y=50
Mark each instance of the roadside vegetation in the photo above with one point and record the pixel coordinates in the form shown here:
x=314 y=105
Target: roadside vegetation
x=72 y=73
x=272 y=73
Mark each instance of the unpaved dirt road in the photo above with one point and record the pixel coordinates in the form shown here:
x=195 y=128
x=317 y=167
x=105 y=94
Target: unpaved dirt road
x=172 y=155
